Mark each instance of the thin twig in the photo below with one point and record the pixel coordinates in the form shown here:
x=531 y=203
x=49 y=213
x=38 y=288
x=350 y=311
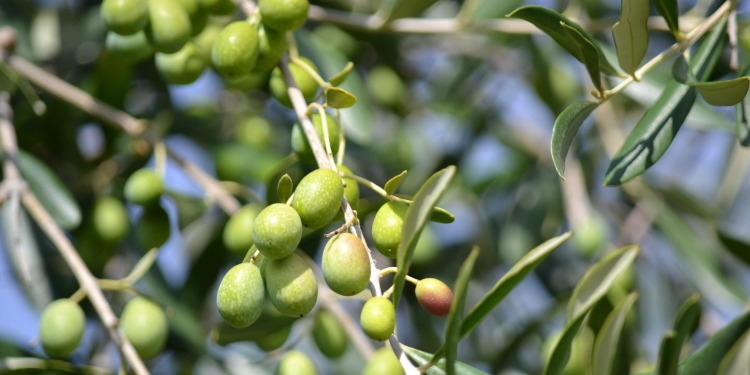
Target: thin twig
x=214 y=189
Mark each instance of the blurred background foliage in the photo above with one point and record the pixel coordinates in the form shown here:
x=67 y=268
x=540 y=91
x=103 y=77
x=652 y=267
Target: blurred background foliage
x=483 y=101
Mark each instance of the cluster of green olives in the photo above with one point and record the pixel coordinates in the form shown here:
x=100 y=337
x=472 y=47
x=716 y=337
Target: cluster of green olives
x=62 y=325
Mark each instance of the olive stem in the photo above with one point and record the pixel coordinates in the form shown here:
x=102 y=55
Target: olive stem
x=389 y=270
x=326 y=140
x=342 y=140
x=160 y=158
x=315 y=75
x=376 y=188
x=27 y=363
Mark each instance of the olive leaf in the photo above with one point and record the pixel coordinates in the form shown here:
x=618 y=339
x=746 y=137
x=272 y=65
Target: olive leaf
x=630 y=34
x=284 y=188
x=723 y=93
x=707 y=359
x=453 y=325
x=685 y=323
x=421 y=358
x=52 y=193
x=668 y=10
x=339 y=98
x=561 y=353
x=588 y=51
x=393 y=184
x=742 y=114
x=340 y=77
x=441 y=215
x=565 y=129
x=605 y=346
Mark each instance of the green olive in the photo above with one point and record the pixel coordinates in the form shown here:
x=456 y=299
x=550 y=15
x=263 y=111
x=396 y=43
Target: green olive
x=346 y=265
x=61 y=328
x=125 y=17
x=169 y=25
x=277 y=231
x=241 y=295
x=153 y=228
x=385 y=86
x=388 y=226
x=295 y=362
x=383 y=362
x=329 y=335
x=182 y=67
x=271 y=46
x=254 y=131
x=131 y=48
x=351 y=187
x=283 y=15
x=235 y=50
x=434 y=296
x=318 y=197
x=378 y=318
x=305 y=82
x=204 y=41
x=291 y=285
x=238 y=233
x=274 y=340
x=219 y=7
x=144 y=187
x=110 y=219
x=198 y=16
x=300 y=144
x=145 y=325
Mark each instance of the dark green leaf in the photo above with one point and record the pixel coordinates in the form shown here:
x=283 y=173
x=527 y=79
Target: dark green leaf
x=284 y=188
x=707 y=359
x=653 y=134
x=339 y=77
x=631 y=34
x=453 y=325
x=668 y=10
x=588 y=51
x=441 y=215
x=513 y=277
x=393 y=184
x=415 y=220
x=681 y=70
x=742 y=111
x=669 y=354
x=737 y=247
x=561 y=353
x=339 y=98
x=552 y=23
x=688 y=316
x=421 y=358
x=565 y=129
x=735 y=362
x=53 y=195
x=686 y=321
x=598 y=280
x=605 y=346
x=723 y=93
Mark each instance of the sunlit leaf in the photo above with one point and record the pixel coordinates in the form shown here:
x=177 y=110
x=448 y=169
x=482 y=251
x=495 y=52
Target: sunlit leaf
x=565 y=129
x=52 y=193
x=561 y=353
x=631 y=34
x=339 y=98
x=668 y=10
x=605 y=346
x=653 y=134
x=284 y=188
x=598 y=280
x=453 y=325
x=339 y=77
x=724 y=93
x=393 y=184
x=552 y=23
x=416 y=217
x=421 y=358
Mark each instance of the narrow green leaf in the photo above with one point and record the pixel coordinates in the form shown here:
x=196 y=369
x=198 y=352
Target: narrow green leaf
x=415 y=220
x=561 y=353
x=441 y=215
x=513 y=277
x=339 y=98
x=340 y=77
x=685 y=323
x=653 y=134
x=668 y=10
x=588 y=51
x=393 y=184
x=631 y=34
x=742 y=113
x=284 y=188
x=565 y=129
x=735 y=362
x=707 y=359
x=52 y=193
x=724 y=93
x=453 y=325
x=421 y=358
x=669 y=354
x=598 y=280
x=688 y=316
x=605 y=346
x=681 y=70
x=552 y=23
x=738 y=248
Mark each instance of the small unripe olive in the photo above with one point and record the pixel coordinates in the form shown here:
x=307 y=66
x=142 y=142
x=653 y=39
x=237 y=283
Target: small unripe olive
x=144 y=187
x=169 y=25
x=383 y=362
x=125 y=17
x=204 y=42
x=61 y=328
x=283 y=15
x=219 y=7
x=378 y=318
x=305 y=82
x=385 y=86
x=277 y=231
x=241 y=295
x=132 y=48
x=235 y=50
x=329 y=335
x=198 y=16
x=434 y=296
x=387 y=227
x=274 y=340
x=110 y=219
x=291 y=285
x=145 y=325
x=271 y=46
x=238 y=233
x=295 y=362
x=182 y=67
x=300 y=144
x=318 y=197
x=153 y=228
x=351 y=187
x=346 y=266
x=254 y=131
